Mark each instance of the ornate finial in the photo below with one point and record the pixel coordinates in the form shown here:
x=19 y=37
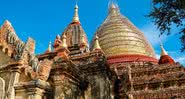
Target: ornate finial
x=64 y=43
x=57 y=42
x=113 y=4
x=58 y=36
x=96 y=44
x=49 y=48
x=113 y=7
x=163 y=51
x=76 y=17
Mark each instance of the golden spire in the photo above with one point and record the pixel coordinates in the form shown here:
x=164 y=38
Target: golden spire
x=58 y=36
x=64 y=43
x=113 y=8
x=163 y=51
x=96 y=43
x=49 y=47
x=76 y=17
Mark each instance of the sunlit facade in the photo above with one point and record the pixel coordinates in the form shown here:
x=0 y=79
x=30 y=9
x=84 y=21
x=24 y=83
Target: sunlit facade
x=119 y=63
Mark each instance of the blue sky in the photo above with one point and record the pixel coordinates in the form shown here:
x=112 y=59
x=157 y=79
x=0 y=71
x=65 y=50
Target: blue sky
x=44 y=19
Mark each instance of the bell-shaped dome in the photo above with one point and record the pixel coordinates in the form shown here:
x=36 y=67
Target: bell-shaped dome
x=119 y=38
x=75 y=35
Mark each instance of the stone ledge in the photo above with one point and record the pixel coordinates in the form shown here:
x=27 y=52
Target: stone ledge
x=33 y=84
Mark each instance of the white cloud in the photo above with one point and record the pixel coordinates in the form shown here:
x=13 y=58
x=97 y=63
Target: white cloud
x=152 y=34
x=180 y=59
x=158 y=56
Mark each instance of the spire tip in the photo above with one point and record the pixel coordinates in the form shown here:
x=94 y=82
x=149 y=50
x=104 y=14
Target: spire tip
x=76 y=17
x=96 y=43
x=163 y=51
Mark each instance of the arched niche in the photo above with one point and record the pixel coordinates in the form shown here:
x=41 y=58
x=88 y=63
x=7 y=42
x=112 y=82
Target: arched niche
x=6 y=50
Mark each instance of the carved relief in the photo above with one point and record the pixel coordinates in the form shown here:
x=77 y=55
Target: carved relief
x=100 y=87
x=39 y=70
x=33 y=62
x=44 y=69
x=57 y=42
x=66 y=89
x=10 y=41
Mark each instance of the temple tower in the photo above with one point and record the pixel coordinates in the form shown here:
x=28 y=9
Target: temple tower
x=76 y=38
x=122 y=41
x=124 y=45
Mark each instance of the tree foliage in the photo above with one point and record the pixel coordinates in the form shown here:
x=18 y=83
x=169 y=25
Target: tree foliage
x=168 y=13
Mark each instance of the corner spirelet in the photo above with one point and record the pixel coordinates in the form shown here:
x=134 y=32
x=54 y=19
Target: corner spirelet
x=96 y=44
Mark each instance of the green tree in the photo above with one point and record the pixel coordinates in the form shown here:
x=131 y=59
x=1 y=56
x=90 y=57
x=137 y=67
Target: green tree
x=168 y=13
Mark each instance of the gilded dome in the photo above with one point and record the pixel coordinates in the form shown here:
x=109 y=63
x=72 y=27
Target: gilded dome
x=118 y=36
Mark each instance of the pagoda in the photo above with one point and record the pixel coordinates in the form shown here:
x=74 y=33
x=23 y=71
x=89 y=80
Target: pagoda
x=118 y=64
